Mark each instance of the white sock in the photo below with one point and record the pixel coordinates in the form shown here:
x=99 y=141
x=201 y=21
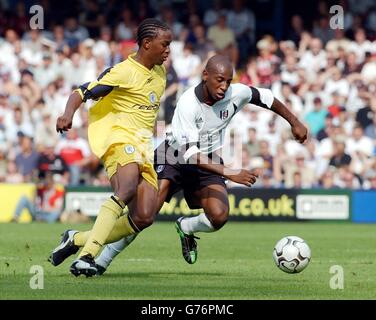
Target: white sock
x=111 y=250
x=198 y=223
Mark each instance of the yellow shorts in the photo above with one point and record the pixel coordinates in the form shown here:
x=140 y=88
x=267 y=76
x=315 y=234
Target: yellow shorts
x=125 y=153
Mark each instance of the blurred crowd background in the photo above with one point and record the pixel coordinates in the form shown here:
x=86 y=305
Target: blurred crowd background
x=326 y=77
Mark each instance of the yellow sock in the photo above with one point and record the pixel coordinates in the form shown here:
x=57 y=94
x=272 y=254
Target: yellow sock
x=80 y=238
x=108 y=214
x=122 y=228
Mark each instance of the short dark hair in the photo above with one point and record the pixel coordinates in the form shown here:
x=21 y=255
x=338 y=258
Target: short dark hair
x=148 y=28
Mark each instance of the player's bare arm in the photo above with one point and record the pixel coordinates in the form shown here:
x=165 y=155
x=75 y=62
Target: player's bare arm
x=242 y=176
x=265 y=99
x=298 y=129
x=86 y=91
x=64 y=122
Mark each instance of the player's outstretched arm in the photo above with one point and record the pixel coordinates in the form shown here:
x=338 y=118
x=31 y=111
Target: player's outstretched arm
x=264 y=98
x=64 y=122
x=242 y=176
x=299 y=130
x=89 y=90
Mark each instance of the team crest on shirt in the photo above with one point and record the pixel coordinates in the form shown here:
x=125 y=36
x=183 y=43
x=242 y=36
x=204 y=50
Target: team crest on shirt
x=129 y=149
x=153 y=97
x=160 y=168
x=223 y=114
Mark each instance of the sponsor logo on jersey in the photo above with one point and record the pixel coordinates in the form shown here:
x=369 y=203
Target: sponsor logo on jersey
x=129 y=149
x=143 y=107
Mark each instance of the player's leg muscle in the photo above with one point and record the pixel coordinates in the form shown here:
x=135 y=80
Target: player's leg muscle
x=125 y=181
x=163 y=190
x=142 y=206
x=214 y=201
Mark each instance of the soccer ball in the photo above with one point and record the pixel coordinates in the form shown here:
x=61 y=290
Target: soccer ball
x=291 y=254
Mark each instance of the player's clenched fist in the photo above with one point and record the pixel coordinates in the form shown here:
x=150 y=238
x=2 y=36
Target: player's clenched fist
x=246 y=177
x=63 y=123
x=299 y=131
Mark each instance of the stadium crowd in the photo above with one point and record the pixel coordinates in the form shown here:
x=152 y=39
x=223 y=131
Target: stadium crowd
x=326 y=76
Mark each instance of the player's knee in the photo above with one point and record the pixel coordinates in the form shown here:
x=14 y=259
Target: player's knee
x=143 y=219
x=218 y=217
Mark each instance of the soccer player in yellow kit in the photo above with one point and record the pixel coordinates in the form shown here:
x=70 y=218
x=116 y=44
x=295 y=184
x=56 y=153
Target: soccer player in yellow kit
x=120 y=133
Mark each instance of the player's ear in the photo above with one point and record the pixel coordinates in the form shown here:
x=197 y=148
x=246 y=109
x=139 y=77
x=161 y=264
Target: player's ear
x=146 y=43
x=205 y=75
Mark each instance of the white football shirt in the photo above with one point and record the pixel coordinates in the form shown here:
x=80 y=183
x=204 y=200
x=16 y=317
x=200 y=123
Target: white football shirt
x=196 y=123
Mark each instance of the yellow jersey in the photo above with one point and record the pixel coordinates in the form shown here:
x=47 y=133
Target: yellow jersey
x=128 y=113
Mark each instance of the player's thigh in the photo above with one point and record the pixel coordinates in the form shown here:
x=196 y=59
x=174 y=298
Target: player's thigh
x=214 y=200
x=142 y=207
x=123 y=170
x=125 y=181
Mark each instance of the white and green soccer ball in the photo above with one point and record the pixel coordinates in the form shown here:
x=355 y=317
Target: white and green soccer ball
x=291 y=254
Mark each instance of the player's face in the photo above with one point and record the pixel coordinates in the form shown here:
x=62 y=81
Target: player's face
x=218 y=81
x=160 y=46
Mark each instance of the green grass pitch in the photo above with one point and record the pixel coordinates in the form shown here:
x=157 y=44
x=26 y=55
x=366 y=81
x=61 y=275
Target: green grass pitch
x=234 y=263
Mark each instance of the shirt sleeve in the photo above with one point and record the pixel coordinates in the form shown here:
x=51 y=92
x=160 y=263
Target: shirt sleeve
x=261 y=97
x=101 y=87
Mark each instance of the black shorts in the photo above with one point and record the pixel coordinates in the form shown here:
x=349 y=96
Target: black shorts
x=187 y=177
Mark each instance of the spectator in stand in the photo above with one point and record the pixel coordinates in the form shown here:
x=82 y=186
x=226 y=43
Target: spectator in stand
x=203 y=47
x=316 y=118
x=249 y=75
x=27 y=159
x=340 y=158
x=212 y=14
x=45 y=132
x=92 y=18
x=327 y=179
x=74 y=33
x=125 y=30
x=328 y=127
x=17 y=123
x=223 y=39
x=168 y=15
x=289 y=72
x=188 y=67
x=370 y=182
x=322 y=29
x=266 y=63
x=359 y=144
x=76 y=153
x=314 y=59
x=242 y=22
x=365 y=115
x=296 y=29
x=297 y=174
x=252 y=145
x=265 y=154
x=49 y=162
x=48 y=204
x=12 y=174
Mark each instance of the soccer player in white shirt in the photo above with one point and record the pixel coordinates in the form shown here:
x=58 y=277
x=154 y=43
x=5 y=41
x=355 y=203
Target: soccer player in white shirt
x=188 y=160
